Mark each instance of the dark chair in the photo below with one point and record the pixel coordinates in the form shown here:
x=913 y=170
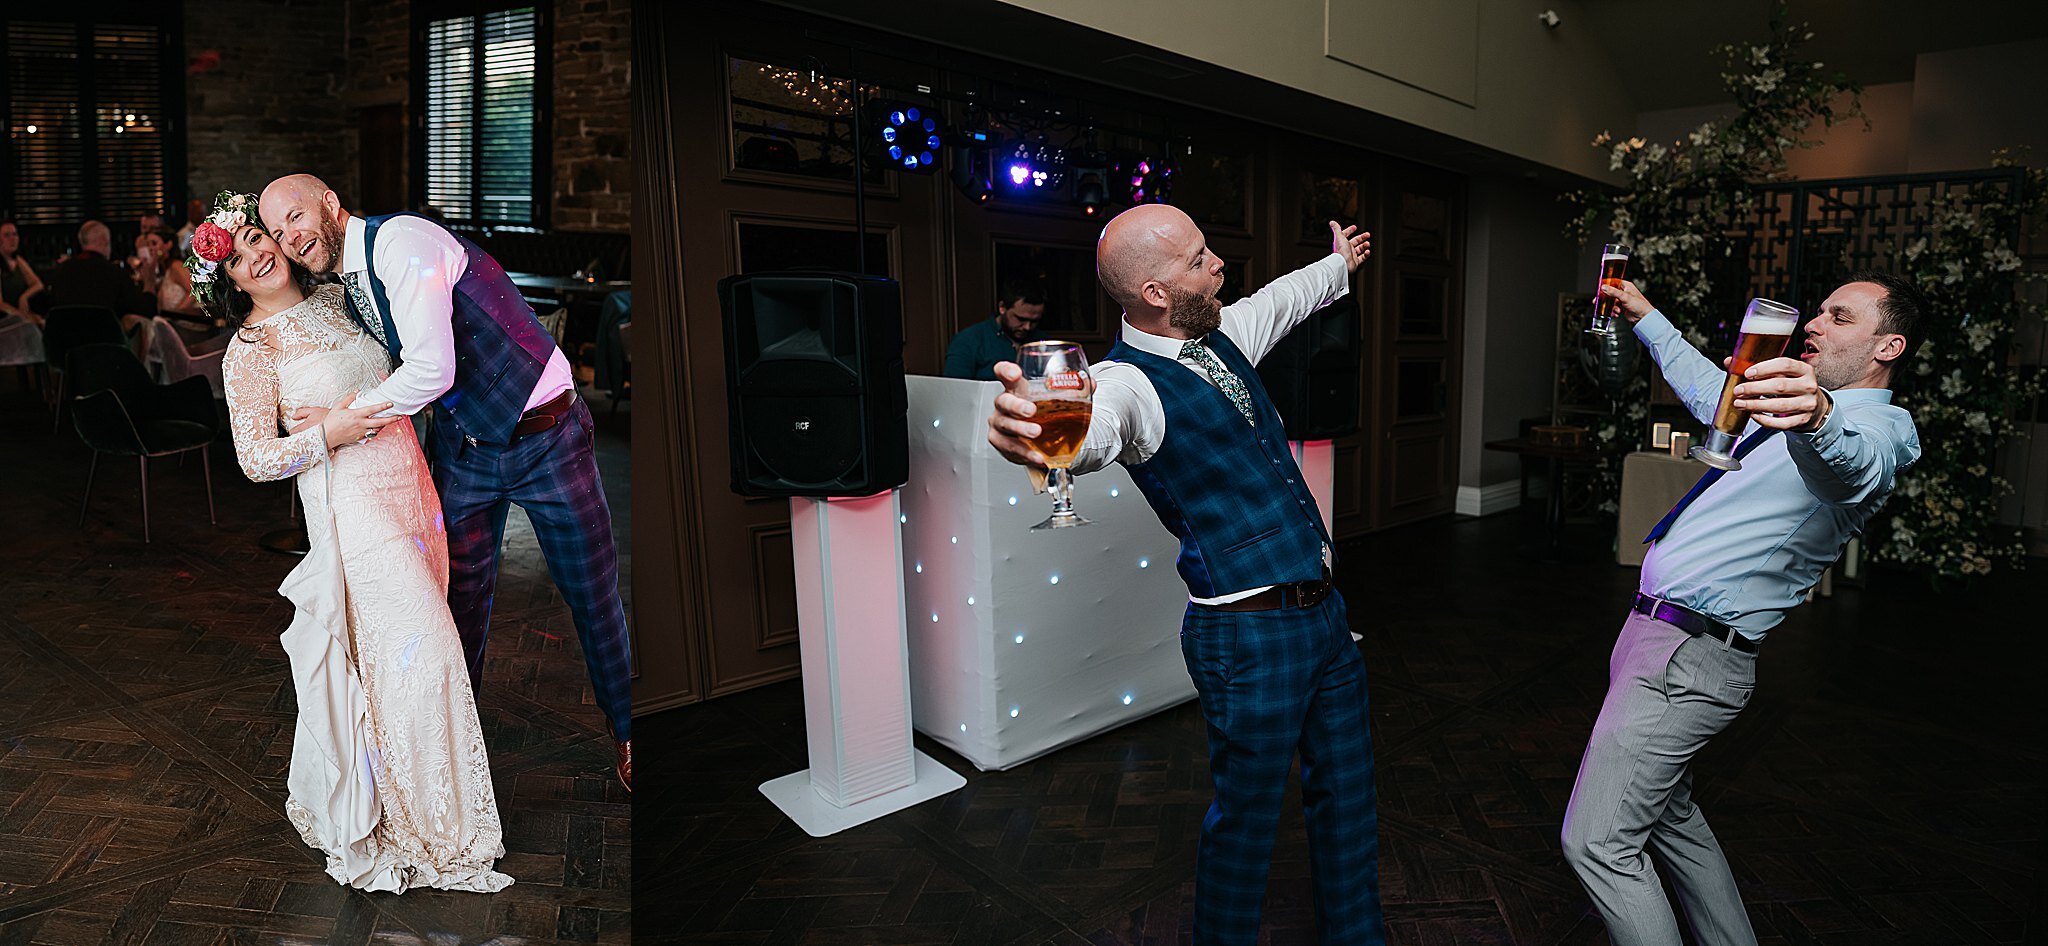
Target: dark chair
x=117 y=410
x=66 y=327
x=614 y=366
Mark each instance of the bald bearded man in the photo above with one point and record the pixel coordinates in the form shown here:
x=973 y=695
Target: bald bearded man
x=1265 y=638
x=508 y=427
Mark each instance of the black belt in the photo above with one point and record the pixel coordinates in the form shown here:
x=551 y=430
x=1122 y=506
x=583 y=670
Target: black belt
x=544 y=416
x=1692 y=622
x=1299 y=594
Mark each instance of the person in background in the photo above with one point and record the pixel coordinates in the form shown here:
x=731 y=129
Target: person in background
x=175 y=299
x=19 y=283
x=974 y=352
x=21 y=329
x=195 y=214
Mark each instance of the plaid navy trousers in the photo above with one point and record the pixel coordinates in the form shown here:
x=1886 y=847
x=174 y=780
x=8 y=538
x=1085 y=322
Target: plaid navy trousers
x=1271 y=683
x=553 y=476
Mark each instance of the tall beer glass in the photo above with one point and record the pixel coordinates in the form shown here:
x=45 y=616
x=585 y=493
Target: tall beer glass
x=1063 y=390
x=1766 y=329
x=1613 y=269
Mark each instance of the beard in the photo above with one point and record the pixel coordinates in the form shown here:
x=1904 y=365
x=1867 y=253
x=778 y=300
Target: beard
x=327 y=247
x=1195 y=314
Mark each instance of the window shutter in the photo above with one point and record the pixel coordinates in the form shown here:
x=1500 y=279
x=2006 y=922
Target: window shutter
x=47 y=136
x=128 y=120
x=481 y=116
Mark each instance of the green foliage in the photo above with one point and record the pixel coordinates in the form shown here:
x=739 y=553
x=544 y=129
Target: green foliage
x=1961 y=386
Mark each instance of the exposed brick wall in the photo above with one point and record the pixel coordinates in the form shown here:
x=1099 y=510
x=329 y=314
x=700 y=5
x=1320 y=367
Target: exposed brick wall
x=274 y=104
x=294 y=77
x=593 y=171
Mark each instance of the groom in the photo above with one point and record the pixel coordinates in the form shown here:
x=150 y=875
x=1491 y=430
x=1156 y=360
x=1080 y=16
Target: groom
x=508 y=426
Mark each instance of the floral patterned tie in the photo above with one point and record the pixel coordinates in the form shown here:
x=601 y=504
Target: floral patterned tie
x=359 y=299
x=1231 y=385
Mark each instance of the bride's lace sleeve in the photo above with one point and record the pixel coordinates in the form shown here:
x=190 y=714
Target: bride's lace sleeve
x=249 y=374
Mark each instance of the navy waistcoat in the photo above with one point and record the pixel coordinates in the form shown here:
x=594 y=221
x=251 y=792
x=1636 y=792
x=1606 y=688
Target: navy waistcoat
x=500 y=347
x=1230 y=491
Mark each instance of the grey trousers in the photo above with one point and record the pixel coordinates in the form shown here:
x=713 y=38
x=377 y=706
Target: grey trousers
x=1667 y=694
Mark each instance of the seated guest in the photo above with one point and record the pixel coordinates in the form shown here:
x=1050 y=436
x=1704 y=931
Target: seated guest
x=974 y=352
x=18 y=280
x=195 y=214
x=91 y=277
x=21 y=336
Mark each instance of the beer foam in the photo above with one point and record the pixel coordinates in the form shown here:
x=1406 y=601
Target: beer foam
x=1767 y=321
x=1604 y=257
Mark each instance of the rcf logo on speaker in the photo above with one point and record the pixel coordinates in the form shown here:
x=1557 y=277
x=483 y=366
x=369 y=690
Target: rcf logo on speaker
x=1064 y=381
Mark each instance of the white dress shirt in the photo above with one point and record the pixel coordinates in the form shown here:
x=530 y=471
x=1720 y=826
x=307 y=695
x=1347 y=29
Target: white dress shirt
x=1129 y=421
x=420 y=263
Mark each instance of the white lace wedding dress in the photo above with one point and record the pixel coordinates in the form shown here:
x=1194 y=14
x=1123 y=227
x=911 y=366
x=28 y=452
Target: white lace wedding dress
x=388 y=772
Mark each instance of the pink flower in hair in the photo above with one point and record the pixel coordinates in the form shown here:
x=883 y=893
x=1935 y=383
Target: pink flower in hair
x=211 y=243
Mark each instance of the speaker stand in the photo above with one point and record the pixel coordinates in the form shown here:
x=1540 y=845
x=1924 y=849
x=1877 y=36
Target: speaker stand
x=856 y=670
x=1318 y=461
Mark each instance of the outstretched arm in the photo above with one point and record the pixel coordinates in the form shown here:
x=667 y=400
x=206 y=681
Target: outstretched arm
x=1843 y=451
x=1113 y=423
x=1693 y=377
x=1259 y=321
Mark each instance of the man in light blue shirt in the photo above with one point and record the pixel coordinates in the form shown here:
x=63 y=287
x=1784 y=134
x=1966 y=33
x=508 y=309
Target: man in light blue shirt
x=1822 y=450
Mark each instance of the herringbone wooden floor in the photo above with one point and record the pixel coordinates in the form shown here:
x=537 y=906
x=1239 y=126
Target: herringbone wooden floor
x=146 y=721
x=1884 y=787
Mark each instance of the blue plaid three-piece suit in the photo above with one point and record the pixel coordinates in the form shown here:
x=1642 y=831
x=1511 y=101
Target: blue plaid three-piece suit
x=481 y=468
x=1271 y=683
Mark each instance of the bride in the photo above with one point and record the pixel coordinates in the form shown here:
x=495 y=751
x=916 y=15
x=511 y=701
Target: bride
x=388 y=773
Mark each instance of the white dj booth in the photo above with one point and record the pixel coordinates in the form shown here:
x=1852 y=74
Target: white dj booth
x=1022 y=642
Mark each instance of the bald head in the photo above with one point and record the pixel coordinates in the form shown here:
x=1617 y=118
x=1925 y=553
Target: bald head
x=1138 y=246
x=306 y=219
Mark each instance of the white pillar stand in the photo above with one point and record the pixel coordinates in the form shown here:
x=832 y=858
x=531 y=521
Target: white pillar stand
x=856 y=671
x=1318 y=460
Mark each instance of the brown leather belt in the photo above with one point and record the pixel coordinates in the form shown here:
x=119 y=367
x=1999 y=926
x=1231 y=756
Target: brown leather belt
x=1300 y=594
x=544 y=416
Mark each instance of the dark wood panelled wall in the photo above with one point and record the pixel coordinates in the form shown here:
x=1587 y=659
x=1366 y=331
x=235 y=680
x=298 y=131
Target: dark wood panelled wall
x=713 y=587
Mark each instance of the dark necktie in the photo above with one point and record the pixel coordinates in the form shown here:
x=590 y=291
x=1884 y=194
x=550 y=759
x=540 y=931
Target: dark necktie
x=1712 y=476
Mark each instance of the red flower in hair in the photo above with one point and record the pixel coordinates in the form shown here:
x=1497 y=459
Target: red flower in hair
x=211 y=243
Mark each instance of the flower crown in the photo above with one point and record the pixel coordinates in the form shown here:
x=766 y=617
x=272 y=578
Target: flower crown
x=214 y=240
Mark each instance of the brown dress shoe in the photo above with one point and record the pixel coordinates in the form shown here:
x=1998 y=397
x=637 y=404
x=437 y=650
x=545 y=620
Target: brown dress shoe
x=626 y=764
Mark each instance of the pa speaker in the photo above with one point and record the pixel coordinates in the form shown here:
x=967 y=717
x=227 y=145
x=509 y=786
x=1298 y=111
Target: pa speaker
x=814 y=384
x=1312 y=375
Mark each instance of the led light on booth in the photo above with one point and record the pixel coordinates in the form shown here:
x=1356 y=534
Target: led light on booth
x=920 y=568
x=1114 y=492
x=1142 y=563
x=1127 y=699
x=1013 y=500
x=956 y=540
x=1020 y=639
x=970 y=601
x=963 y=727
x=1014 y=710
x=1020 y=174
x=1055 y=579
x=935 y=617
x=935 y=422
x=903 y=517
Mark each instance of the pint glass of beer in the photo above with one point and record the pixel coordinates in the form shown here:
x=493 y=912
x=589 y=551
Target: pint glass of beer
x=1057 y=373
x=1766 y=329
x=1613 y=269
